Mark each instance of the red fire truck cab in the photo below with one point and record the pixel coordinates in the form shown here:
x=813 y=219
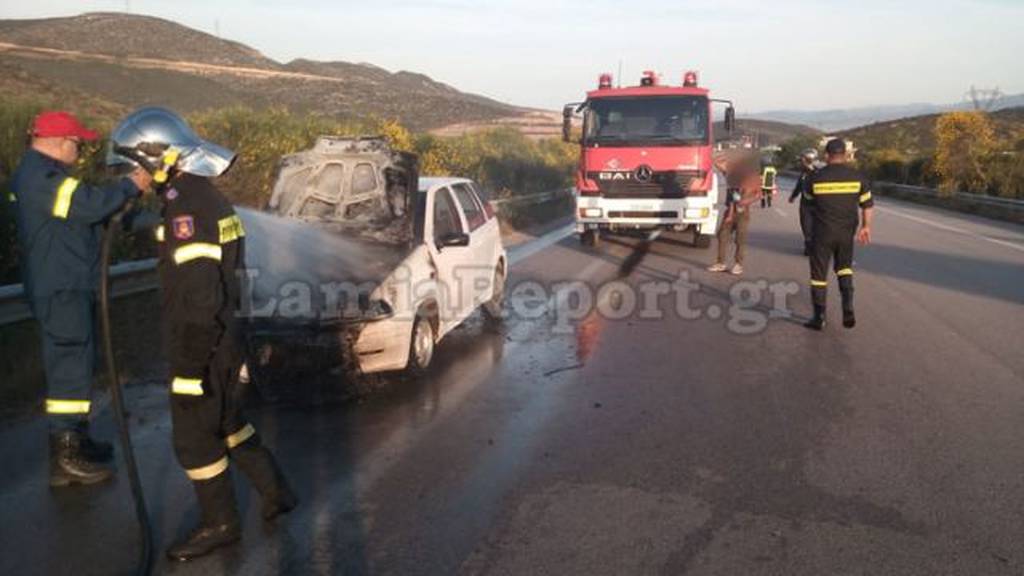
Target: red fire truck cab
x=646 y=158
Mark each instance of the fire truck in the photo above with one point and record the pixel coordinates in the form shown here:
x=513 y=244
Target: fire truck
x=646 y=158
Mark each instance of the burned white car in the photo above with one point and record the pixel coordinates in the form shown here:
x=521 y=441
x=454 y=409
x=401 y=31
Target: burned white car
x=359 y=260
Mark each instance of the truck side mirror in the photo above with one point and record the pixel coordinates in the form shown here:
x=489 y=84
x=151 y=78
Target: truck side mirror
x=730 y=119
x=567 y=113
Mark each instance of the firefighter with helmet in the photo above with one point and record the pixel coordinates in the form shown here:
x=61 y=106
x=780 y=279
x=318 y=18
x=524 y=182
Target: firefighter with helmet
x=839 y=192
x=808 y=165
x=201 y=258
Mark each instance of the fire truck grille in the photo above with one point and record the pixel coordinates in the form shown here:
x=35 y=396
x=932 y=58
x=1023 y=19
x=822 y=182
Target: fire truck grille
x=668 y=184
x=671 y=214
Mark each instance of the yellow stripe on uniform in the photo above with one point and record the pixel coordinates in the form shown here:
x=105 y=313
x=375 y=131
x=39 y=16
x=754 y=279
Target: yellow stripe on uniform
x=865 y=197
x=196 y=250
x=845 y=272
x=238 y=438
x=12 y=198
x=819 y=284
x=67 y=406
x=837 y=188
x=62 y=204
x=231 y=229
x=187 y=386
x=208 y=472
x=159 y=233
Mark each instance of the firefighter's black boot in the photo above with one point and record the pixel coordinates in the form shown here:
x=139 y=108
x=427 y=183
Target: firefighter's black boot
x=846 y=289
x=93 y=450
x=219 y=525
x=69 y=465
x=817 y=322
x=258 y=464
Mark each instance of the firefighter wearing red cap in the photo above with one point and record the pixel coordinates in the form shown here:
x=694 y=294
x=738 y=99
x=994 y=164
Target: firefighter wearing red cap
x=59 y=220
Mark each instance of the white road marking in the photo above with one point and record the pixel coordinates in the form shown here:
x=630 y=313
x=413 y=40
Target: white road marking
x=948 y=228
x=519 y=253
x=780 y=212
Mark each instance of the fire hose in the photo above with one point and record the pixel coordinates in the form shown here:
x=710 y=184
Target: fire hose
x=144 y=565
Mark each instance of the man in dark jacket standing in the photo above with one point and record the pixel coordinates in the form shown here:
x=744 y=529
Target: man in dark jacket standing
x=59 y=221
x=839 y=192
x=808 y=159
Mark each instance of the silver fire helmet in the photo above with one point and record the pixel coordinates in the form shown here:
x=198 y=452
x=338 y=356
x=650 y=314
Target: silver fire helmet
x=809 y=156
x=145 y=136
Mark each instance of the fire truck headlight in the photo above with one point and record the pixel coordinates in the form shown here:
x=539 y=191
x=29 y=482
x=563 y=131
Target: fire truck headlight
x=697 y=213
x=591 y=212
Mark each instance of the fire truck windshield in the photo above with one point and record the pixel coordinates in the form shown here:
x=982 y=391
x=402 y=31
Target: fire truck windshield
x=646 y=121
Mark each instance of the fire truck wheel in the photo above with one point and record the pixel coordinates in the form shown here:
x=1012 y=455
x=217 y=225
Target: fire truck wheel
x=701 y=240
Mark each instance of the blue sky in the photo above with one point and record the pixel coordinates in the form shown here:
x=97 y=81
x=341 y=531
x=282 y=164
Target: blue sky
x=764 y=55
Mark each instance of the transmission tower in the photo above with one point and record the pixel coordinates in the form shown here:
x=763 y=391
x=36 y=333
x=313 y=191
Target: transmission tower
x=983 y=99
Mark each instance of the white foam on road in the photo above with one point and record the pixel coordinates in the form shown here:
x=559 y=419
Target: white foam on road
x=948 y=228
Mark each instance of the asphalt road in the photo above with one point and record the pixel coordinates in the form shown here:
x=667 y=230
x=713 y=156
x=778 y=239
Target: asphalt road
x=633 y=439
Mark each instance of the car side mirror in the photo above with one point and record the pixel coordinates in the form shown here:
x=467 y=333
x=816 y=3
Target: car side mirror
x=730 y=119
x=453 y=239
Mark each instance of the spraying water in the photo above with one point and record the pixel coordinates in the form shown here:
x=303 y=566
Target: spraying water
x=294 y=265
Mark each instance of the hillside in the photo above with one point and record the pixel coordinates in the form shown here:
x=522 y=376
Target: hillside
x=764 y=132
x=916 y=136
x=158 y=62
x=136 y=36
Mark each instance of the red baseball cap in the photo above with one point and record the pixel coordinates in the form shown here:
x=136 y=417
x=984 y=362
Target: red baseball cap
x=60 y=125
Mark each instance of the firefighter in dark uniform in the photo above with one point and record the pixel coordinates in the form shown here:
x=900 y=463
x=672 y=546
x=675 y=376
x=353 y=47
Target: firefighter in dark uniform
x=808 y=160
x=201 y=262
x=59 y=221
x=769 y=186
x=838 y=191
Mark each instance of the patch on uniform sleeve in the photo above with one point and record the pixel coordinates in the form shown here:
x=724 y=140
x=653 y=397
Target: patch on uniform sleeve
x=184 y=227
x=171 y=194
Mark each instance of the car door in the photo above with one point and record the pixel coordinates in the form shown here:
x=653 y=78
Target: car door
x=455 y=299
x=483 y=234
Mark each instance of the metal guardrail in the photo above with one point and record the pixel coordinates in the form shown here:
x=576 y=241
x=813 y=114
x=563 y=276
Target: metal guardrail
x=972 y=198
x=540 y=197
x=137 y=276
x=126 y=279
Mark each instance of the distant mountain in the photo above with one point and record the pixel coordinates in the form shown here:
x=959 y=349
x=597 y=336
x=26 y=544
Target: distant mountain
x=131 y=60
x=843 y=119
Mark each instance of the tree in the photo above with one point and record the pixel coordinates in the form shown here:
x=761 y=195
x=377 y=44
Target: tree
x=965 y=142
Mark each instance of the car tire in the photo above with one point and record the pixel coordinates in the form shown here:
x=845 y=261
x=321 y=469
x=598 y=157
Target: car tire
x=590 y=238
x=421 y=344
x=494 y=308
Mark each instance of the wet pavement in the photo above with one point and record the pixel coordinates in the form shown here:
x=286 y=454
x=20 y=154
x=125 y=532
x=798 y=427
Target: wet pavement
x=567 y=442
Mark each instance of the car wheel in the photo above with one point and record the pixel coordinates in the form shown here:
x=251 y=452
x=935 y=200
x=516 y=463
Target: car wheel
x=421 y=347
x=494 y=307
x=590 y=238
